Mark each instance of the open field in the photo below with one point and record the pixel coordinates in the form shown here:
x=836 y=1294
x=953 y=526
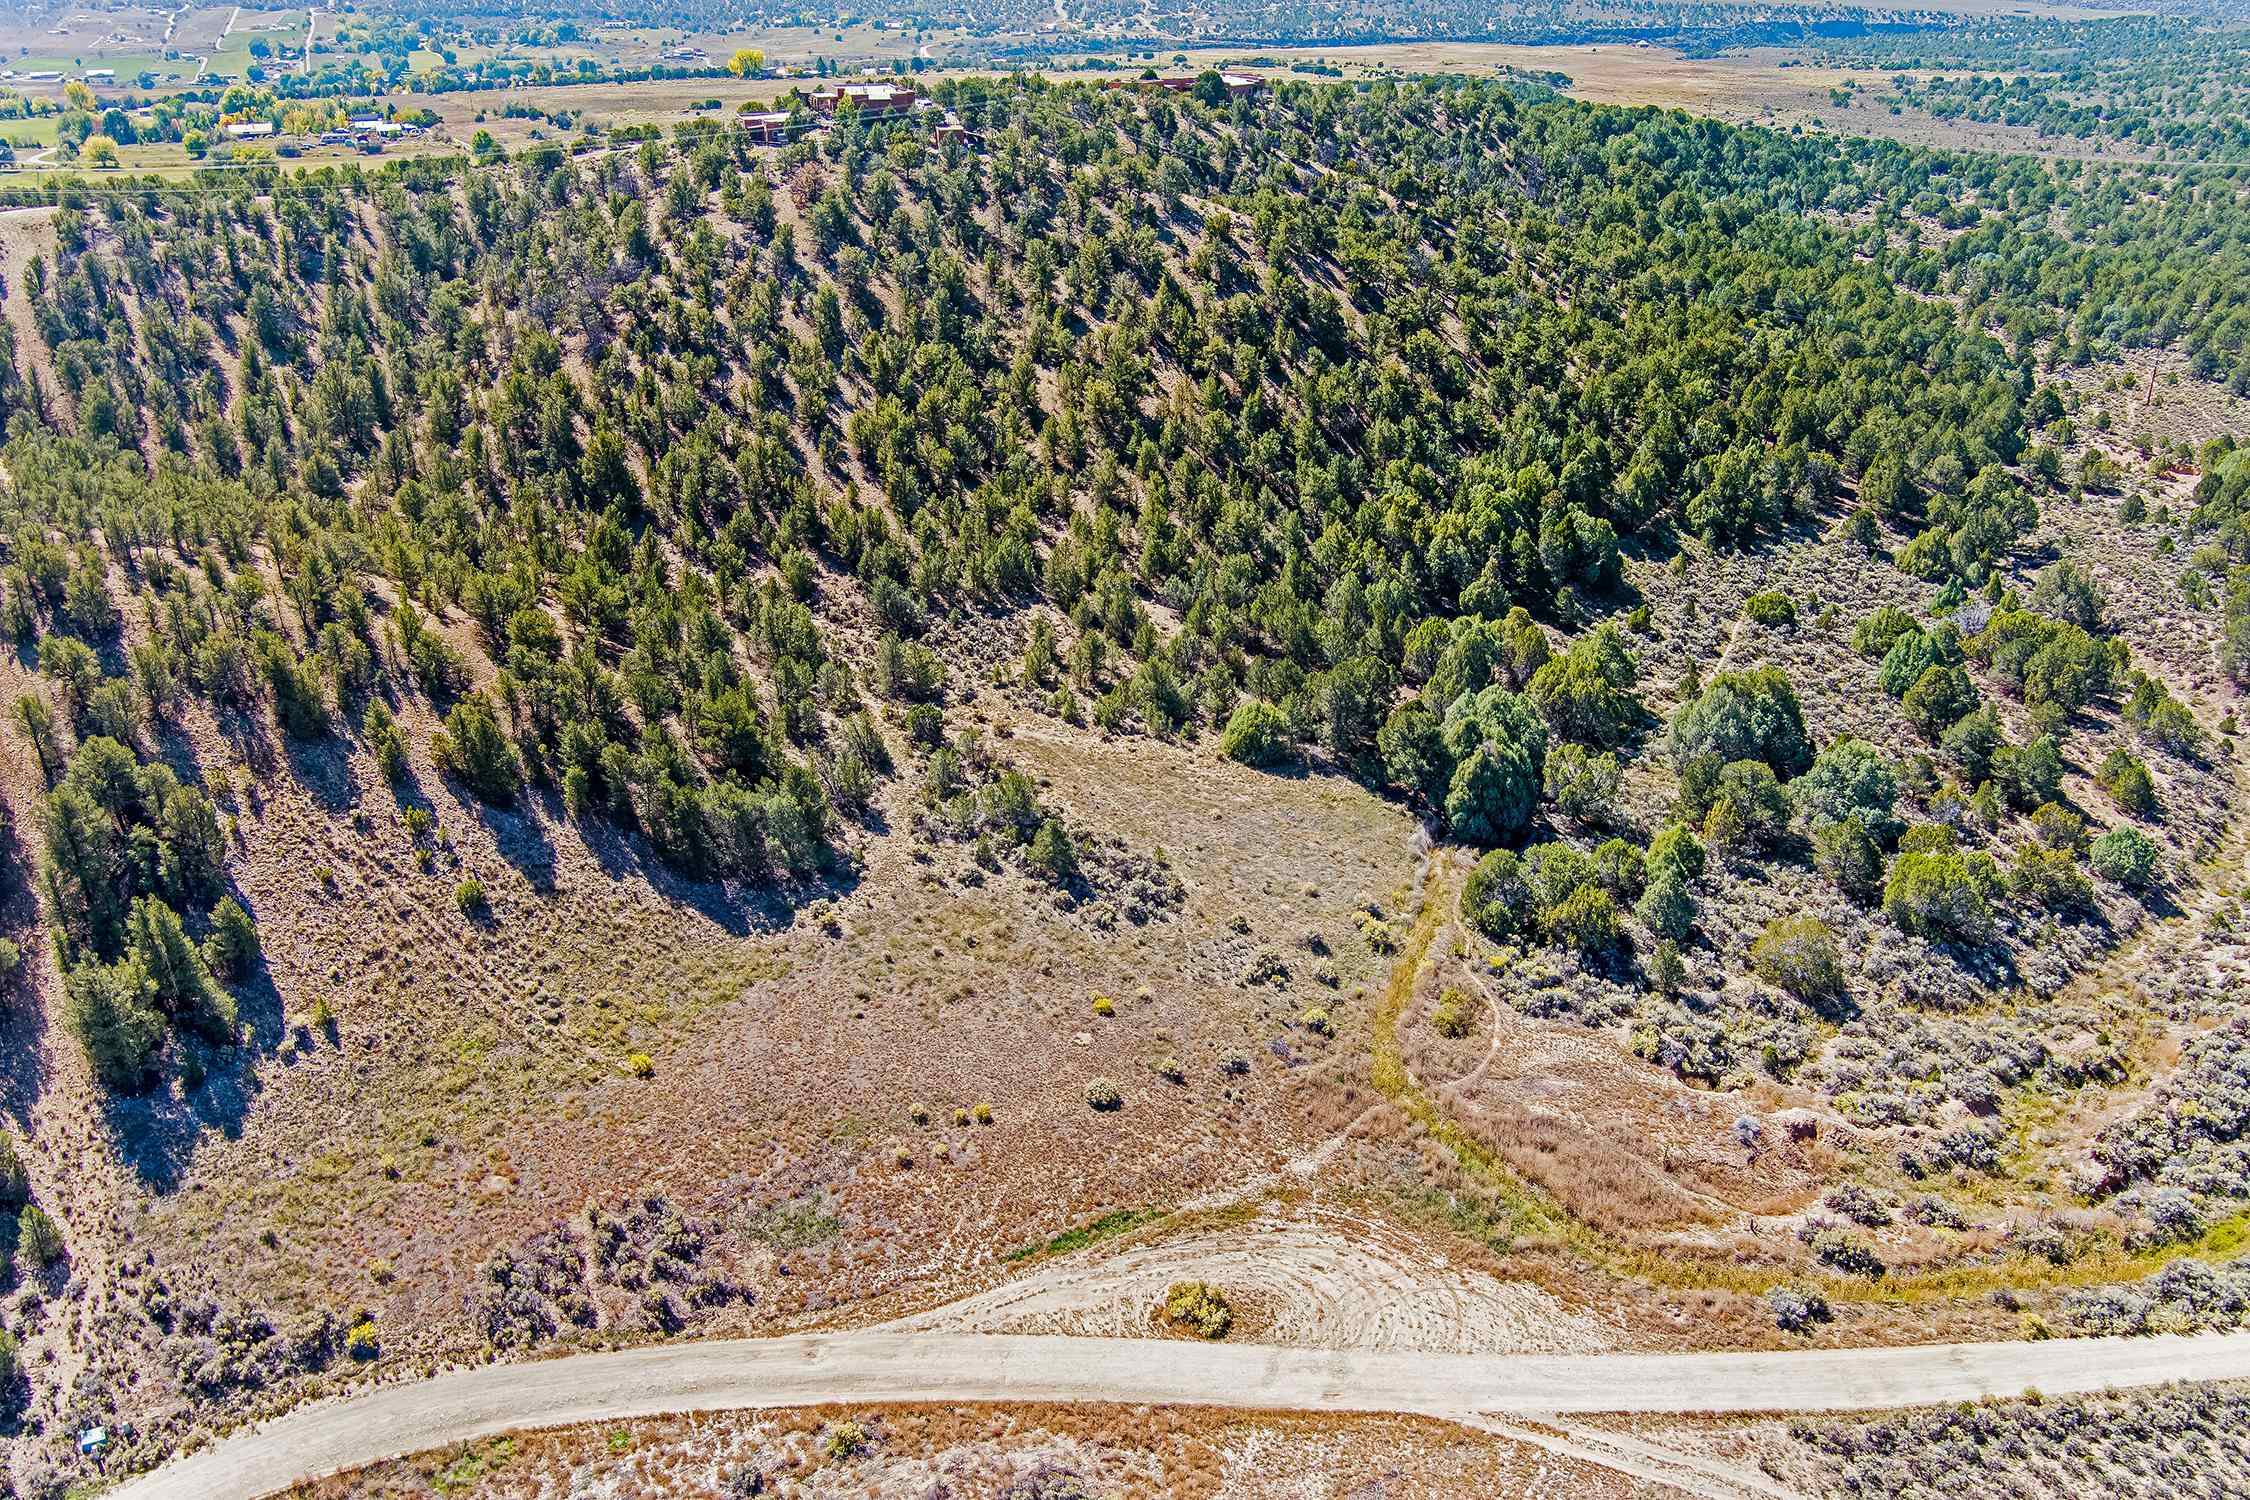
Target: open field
x=1771 y=87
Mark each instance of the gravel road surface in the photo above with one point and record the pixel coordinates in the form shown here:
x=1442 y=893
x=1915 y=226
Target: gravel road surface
x=331 y=1436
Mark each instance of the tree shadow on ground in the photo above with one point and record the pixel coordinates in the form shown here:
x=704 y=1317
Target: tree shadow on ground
x=740 y=908
x=26 y=994
x=203 y=1086
x=323 y=767
x=519 y=833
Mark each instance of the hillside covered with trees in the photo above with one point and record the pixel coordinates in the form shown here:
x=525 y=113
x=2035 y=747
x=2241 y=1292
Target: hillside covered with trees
x=1697 y=530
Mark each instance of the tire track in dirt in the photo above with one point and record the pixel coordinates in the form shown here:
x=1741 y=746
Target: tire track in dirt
x=1326 y=1280
x=1640 y=1460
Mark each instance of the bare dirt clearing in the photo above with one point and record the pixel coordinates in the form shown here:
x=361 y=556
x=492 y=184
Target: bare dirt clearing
x=1305 y=1280
x=446 y=1111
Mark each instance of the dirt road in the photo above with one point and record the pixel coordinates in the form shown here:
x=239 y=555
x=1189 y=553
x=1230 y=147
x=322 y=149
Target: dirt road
x=887 y=1367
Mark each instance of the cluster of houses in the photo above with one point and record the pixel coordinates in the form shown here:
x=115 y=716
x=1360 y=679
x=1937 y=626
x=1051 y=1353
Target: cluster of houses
x=871 y=99
x=366 y=132
x=93 y=78
x=883 y=99
x=878 y=101
x=1238 y=85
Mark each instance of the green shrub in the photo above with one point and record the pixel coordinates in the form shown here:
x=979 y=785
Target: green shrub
x=925 y=725
x=2058 y=827
x=110 y=1009
x=1851 y=779
x=1101 y=1094
x=1587 y=692
x=469 y=896
x=1676 y=848
x=1875 y=635
x=298 y=699
x=386 y=742
x=1666 y=971
x=2066 y=591
x=2170 y=725
x=1971 y=742
x=1583 y=785
x=1913 y=653
x=1666 y=908
x=1619 y=869
x=1586 y=921
x=1455 y=1014
x=2125 y=856
x=2049 y=879
x=232 y=946
x=2029 y=775
x=1849 y=859
x=1744 y=716
x=1771 y=607
x=2053 y=664
x=15 y=1182
x=1753 y=802
x=1256 y=735
x=1494 y=896
x=2125 y=777
x=39 y=1239
x=1198 y=1307
x=1553 y=872
x=1497 y=749
x=1938 y=895
x=1798 y=955
x=1928 y=838
x=1939 y=698
x=179 y=980
x=1052 y=853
